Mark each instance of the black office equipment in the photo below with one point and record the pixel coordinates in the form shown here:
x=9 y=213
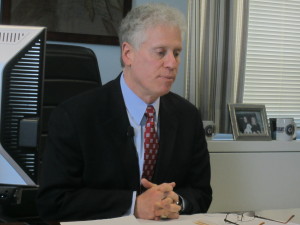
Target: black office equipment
x=68 y=71
x=21 y=83
x=22 y=54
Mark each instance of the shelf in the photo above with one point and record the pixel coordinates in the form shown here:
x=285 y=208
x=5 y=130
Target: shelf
x=253 y=146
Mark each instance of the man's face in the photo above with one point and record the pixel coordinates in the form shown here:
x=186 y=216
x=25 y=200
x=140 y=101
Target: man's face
x=151 y=69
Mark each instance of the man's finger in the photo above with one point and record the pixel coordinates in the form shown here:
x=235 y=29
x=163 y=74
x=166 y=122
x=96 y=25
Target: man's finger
x=165 y=207
x=173 y=215
x=166 y=187
x=163 y=213
x=168 y=204
x=147 y=184
x=172 y=195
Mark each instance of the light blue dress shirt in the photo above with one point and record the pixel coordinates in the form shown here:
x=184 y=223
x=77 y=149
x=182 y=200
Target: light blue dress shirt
x=136 y=109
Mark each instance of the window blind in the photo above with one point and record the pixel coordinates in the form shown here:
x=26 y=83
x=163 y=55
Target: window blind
x=272 y=75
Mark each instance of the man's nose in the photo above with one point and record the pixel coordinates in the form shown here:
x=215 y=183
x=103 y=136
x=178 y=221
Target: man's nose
x=171 y=61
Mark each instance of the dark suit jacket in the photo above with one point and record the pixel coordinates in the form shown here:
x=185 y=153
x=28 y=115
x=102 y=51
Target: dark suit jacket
x=90 y=165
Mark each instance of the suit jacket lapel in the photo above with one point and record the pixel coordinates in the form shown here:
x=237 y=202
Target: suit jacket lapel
x=168 y=130
x=117 y=127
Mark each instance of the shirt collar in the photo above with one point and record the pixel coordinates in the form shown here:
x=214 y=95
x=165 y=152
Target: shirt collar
x=134 y=104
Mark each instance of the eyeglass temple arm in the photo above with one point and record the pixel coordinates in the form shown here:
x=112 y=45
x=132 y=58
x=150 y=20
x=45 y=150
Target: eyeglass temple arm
x=228 y=221
x=291 y=217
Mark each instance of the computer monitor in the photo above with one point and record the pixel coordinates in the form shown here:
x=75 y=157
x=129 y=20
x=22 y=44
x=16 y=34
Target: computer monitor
x=22 y=53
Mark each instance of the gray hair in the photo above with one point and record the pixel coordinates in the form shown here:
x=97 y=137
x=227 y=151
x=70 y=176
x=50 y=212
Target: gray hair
x=141 y=18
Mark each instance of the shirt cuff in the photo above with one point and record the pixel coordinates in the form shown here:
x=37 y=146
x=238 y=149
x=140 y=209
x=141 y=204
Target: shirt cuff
x=130 y=211
x=183 y=204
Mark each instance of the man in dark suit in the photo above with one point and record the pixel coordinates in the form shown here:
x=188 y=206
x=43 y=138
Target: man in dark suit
x=94 y=163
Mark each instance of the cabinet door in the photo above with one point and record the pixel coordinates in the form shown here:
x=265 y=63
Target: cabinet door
x=255 y=181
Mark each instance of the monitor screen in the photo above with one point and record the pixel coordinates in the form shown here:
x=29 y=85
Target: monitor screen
x=22 y=53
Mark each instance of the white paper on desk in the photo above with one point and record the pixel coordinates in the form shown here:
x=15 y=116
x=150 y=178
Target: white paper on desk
x=216 y=220
x=125 y=220
x=205 y=219
x=281 y=214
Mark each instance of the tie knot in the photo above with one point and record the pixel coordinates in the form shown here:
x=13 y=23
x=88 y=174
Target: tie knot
x=150 y=111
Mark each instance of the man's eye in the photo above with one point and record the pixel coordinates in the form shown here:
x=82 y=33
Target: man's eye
x=161 y=53
x=176 y=54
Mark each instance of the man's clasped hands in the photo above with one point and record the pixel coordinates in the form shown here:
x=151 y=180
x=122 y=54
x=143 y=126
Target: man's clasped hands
x=157 y=202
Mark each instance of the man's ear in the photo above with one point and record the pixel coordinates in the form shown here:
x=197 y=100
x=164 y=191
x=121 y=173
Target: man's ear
x=127 y=53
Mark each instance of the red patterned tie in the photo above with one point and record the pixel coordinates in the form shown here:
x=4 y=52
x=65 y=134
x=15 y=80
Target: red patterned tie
x=150 y=144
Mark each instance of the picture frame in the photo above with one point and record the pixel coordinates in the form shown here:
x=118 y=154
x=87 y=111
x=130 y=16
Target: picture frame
x=249 y=122
x=82 y=21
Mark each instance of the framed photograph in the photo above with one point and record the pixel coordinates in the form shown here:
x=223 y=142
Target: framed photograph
x=249 y=122
x=84 y=21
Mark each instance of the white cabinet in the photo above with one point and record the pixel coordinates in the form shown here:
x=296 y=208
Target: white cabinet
x=254 y=175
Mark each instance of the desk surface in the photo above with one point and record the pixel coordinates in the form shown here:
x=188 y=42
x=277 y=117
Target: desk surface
x=212 y=219
x=190 y=219
x=209 y=219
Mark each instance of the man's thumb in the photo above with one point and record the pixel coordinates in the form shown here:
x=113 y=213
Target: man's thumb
x=147 y=184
